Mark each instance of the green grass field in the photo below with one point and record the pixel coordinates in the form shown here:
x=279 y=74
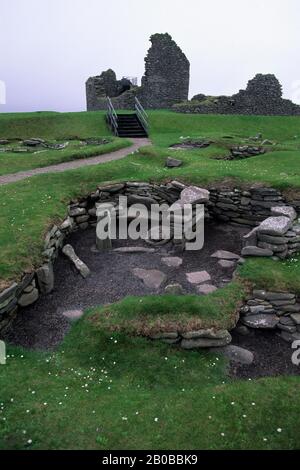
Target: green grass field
x=65 y=127
x=113 y=391
x=185 y=401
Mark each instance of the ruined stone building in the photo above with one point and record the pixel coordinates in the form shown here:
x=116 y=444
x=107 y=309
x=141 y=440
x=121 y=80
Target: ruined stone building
x=167 y=74
x=263 y=96
x=165 y=83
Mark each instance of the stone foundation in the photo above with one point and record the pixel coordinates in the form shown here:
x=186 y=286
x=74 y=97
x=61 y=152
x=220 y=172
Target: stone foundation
x=201 y=339
x=277 y=236
x=248 y=208
x=263 y=96
x=278 y=311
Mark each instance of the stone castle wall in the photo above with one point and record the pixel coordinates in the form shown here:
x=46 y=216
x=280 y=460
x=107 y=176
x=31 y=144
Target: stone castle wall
x=165 y=83
x=167 y=74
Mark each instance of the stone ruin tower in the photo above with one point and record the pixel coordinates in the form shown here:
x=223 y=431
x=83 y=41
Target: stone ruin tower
x=106 y=84
x=166 y=80
x=167 y=74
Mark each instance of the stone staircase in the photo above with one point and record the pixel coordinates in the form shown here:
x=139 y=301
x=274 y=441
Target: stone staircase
x=130 y=126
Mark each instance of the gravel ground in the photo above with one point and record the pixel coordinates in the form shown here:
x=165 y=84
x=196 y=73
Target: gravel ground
x=272 y=356
x=44 y=325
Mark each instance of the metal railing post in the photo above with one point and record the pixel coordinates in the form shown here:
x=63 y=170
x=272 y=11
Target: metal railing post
x=112 y=116
x=142 y=115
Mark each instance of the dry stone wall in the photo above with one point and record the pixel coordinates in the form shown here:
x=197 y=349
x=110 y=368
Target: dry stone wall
x=278 y=311
x=244 y=207
x=248 y=208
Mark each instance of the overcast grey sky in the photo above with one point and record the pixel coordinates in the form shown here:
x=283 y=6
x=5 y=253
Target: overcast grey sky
x=48 y=48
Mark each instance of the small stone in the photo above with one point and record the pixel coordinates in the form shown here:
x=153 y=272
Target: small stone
x=172 y=262
x=165 y=335
x=263 y=321
x=174 y=289
x=287 y=328
x=227 y=255
x=225 y=264
x=82 y=219
x=270 y=296
x=236 y=354
x=73 y=314
x=28 y=299
x=206 y=289
x=289 y=337
x=288 y=321
x=242 y=330
x=198 y=277
x=296 y=318
x=210 y=333
x=251 y=238
x=275 y=248
x=152 y=278
x=256 y=251
x=33 y=142
x=173 y=163
x=200 y=343
x=8 y=295
x=295 y=308
x=112 y=188
x=77 y=211
x=134 y=249
x=273 y=240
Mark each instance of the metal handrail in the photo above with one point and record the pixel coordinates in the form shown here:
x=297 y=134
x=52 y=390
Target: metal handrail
x=142 y=115
x=112 y=116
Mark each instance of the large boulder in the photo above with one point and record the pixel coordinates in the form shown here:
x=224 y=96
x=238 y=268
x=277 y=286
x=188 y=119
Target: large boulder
x=236 y=354
x=286 y=211
x=194 y=195
x=45 y=278
x=275 y=226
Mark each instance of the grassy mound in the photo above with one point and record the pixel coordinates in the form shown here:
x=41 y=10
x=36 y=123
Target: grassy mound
x=51 y=125
x=150 y=315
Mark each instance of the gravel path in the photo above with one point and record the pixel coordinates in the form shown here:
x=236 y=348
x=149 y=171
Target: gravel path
x=107 y=157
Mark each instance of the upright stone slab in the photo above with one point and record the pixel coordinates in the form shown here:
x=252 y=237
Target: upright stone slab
x=104 y=221
x=68 y=250
x=45 y=278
